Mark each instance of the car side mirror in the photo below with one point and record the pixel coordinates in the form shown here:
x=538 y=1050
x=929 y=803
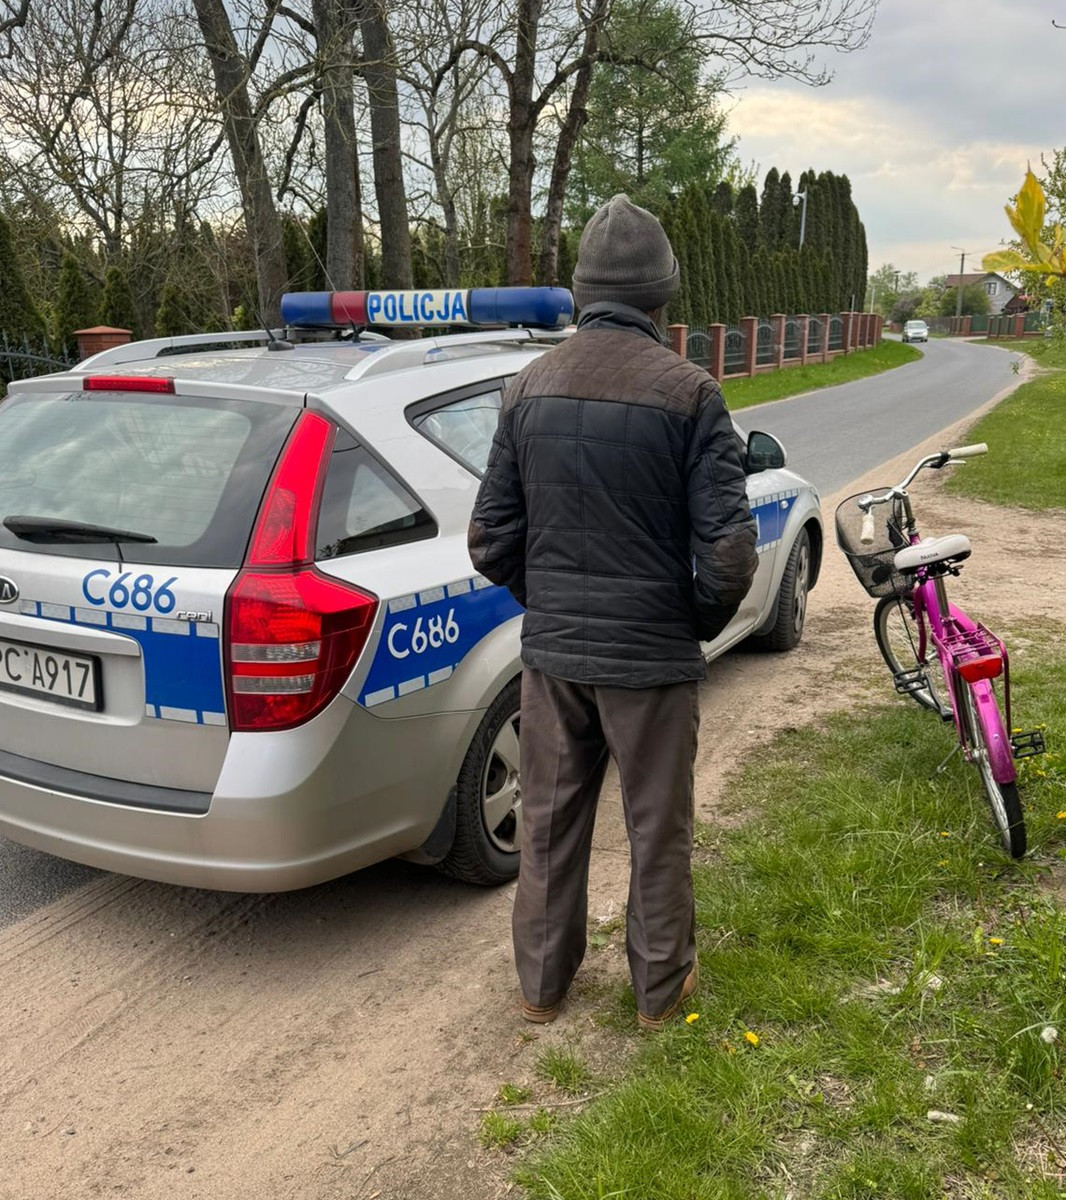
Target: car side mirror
x=765 y=453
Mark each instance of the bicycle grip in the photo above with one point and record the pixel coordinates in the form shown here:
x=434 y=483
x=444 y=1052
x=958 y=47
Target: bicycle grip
x=866 y=534
x=969 y=451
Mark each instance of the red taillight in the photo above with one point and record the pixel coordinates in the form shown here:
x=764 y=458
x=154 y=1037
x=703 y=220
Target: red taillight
x=988 y=666
x=293 y=635
x=284 y=532
x=127 y=383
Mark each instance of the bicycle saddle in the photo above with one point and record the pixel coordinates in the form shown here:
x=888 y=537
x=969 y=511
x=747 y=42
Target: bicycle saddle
x=952 y=547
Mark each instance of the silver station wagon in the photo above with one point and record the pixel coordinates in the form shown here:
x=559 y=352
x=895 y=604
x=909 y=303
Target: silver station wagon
x=242 y=645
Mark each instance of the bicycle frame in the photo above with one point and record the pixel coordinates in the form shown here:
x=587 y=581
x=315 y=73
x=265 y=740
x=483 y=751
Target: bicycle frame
x=959 y=640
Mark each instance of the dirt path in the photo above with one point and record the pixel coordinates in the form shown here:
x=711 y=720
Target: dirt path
x=337 y=1043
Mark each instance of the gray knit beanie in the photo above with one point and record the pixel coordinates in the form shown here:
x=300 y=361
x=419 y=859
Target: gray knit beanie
x=625 y=256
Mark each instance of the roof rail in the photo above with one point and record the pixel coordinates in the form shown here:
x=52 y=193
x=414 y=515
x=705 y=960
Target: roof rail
x=403 y=354
x=155 y=347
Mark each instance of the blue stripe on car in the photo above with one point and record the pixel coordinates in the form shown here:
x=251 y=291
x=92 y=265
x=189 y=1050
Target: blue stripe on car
x=182 y=659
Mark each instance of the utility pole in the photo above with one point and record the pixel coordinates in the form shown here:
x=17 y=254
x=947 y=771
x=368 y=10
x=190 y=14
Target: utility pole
x=801 y=198
x=962 y=267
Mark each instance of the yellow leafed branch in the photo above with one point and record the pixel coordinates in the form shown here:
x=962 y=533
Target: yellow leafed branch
x=1027 y=219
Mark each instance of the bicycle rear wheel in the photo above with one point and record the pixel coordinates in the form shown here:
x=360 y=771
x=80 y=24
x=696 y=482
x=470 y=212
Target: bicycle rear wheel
x=986 y=725
x=896 y=632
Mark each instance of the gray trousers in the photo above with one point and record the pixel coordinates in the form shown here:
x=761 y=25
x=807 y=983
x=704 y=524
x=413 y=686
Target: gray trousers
x=567 y=731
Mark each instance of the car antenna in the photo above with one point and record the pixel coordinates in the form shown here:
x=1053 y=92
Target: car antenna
x=273 y=341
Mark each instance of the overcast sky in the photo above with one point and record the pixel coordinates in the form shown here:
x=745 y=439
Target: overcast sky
x=933 y=122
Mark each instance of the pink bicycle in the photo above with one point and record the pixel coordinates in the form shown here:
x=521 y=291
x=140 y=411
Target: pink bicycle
x=914 y=621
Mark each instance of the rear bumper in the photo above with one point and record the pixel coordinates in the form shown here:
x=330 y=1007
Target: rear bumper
x=288 y=811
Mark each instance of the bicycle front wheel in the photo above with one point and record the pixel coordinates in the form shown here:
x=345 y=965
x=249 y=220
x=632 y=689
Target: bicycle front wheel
x=1003 y=798
x=897 y=632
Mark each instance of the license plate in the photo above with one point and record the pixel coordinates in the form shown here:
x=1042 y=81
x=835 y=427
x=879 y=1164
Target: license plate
x=72 y=679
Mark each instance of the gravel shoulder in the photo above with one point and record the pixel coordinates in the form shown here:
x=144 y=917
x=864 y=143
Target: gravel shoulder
x=339 y=1042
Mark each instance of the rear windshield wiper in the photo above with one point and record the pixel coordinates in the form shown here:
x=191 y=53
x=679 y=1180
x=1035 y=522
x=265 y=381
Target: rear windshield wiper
x=53 y=530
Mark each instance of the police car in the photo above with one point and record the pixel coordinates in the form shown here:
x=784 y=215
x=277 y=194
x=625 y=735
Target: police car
x=242 y=645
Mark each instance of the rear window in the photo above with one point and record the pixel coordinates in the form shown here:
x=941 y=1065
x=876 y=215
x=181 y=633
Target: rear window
x=190 y=472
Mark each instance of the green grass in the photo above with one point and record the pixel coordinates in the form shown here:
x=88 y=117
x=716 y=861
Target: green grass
x=790 y=381
x=1026 y=436
x=850 y=926
x=1048 y=352
x=565 y=1070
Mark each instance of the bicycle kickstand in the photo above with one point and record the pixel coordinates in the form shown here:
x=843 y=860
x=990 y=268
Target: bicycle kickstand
x=944 y=765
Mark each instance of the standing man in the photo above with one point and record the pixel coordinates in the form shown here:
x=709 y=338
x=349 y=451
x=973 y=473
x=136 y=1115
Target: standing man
x=613 y=508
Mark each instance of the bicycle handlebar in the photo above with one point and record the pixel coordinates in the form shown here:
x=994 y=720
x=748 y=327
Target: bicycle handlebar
x=936 y=461
x=967 y=451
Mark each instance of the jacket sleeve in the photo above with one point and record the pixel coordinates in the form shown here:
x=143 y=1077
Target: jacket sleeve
x=723 y=529
x=497 y=534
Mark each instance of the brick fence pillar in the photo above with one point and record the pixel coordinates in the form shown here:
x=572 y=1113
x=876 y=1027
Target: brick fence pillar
x=967 y=326
x=716 y=363
x=749 y=326
x=847 y=320
x=100 y=337
x=1019 y=325
x=678 y=339
x=864 y=330
x=805 y=332
x=777 y=324
x=823 y=349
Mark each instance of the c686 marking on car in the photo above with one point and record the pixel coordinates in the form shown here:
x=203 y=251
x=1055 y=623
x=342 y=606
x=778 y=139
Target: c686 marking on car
x=248 y=550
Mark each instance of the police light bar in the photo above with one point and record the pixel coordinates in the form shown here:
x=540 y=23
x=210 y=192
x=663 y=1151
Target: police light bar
x=542 y=307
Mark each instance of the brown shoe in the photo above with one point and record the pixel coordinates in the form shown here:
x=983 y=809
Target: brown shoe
x=541 y=1014
x=692 y=982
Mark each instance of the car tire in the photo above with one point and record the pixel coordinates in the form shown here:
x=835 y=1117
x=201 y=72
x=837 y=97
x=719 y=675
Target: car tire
x=791 y=599
x=488 y=810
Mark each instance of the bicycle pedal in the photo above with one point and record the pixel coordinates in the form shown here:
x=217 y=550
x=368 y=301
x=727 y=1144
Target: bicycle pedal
x=911 y=681
x=1026 y=745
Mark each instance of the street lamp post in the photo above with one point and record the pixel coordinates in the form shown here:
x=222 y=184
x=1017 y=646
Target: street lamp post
x=801 y=198
x=958 y=296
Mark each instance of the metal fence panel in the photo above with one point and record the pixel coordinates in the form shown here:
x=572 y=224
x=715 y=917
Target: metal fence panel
x=735 y=356
x=836 y=333
x=698 y=348
x=23 y=358
x=814 y=336
x=765 y=345
x=793 y=338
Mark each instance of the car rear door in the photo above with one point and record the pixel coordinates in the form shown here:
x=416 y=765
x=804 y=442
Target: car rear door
x=124 y=517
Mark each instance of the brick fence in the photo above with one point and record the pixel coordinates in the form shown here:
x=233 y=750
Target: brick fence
x=757 y=345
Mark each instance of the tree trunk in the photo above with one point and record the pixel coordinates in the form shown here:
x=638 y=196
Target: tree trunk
x=334 y=32
x=379 y=71
x=520 y=127
x=260 y=215
x=576 y=116
x=446 y=198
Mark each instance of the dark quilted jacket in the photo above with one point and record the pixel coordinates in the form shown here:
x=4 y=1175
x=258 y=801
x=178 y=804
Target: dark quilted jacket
x=614 y=470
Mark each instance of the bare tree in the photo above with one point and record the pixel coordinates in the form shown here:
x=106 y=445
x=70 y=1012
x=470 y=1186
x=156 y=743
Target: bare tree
x=232 y=71
x=379 y=71
x=551 y=48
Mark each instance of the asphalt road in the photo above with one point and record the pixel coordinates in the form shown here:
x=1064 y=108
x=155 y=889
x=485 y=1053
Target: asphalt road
x=832 y=436
x=838 y=434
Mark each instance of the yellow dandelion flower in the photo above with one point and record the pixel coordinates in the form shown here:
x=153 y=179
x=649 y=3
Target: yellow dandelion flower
x=1060 y=816
x=692 y=1017
x=943 y=862
x=996 y=941
x=751 y=1038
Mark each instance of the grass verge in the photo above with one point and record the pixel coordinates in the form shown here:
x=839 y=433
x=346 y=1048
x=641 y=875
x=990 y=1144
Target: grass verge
x=1046 y=352
x=1026 y=436
x=884 y=1010
x=791 y=381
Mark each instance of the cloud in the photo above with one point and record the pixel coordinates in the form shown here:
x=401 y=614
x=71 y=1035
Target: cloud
x=934 y=122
